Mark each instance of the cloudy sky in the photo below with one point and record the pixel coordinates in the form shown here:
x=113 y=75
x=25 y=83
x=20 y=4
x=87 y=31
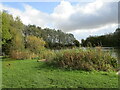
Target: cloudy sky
x=79 y=18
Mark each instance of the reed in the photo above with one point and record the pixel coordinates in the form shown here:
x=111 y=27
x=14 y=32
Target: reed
x=84 y=59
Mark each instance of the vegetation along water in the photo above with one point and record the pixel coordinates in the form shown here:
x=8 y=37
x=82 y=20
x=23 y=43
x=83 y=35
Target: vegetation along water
x=63 y=62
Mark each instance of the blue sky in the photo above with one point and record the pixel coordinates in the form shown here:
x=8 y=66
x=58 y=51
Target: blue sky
x=47 y=7
x=79 y=18
x=42 y=6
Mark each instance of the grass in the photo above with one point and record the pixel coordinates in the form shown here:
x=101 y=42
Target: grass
x=33 y=74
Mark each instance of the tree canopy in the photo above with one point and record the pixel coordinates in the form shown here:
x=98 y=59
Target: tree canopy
x=17 y=37
x=109 y=40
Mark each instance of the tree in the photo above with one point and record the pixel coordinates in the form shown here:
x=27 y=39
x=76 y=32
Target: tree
x=6 y=20
x=6 y=32
x=76 y=43
x=35 y=44
x=17 y=35
x=0 y=33
x=108 y=40
x=12 y=37
x=53 y=38
x=117 y=37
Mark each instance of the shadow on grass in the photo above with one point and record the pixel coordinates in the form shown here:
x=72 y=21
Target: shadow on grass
x=48 y=67
x=44 y=65
x=5 y=59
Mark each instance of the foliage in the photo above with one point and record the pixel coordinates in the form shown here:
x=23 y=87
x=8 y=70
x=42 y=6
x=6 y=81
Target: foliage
x=76 y=43
x=117 y=37
x=6 y=36
x=0 y=34
x=54 y=38
x=35 y=44
x=47 y=54
x=12 y=38
x=89 y=59
x=109 y=40
x=33 y=74
x=17 y=39
x=22 y=55
x=6 y=20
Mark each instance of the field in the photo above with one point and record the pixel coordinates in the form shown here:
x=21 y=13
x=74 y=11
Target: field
x=33 y=74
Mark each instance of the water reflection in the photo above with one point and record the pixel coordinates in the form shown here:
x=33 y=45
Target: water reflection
x=118 y=55
x=114 y=51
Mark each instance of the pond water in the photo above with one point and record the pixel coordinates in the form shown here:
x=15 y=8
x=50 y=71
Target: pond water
x=115 y=52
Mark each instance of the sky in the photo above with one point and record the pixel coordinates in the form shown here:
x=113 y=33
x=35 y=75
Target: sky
x=82 y=19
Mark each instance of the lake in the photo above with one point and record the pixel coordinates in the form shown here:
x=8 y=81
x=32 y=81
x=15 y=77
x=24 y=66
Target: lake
x=115 y=52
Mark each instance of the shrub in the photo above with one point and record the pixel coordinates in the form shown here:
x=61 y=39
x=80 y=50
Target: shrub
x=89 y=59
x=47 y=54
x=15 y=54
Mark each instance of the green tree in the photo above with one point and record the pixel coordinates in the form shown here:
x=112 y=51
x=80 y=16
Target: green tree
x=12 y=36
x=108 y=40
x=6 y=31
x=35 y=44
x=76 y=43
x=6 y=20
x=17 y=35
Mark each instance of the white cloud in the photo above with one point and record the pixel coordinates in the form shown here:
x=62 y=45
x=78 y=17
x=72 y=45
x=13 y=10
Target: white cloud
x=92 y=15
x=82 y=20
x=63 y=11
x=82 y=34
x=30 y=15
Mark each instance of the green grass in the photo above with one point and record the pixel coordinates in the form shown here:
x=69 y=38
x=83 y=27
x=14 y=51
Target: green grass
x=33 y=74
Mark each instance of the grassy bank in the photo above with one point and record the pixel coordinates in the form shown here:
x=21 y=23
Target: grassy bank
x=33 y=74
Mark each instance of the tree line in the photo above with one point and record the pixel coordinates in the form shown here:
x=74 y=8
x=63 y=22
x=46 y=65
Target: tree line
x=17 y=37
x=109 y=40
x=55 y=39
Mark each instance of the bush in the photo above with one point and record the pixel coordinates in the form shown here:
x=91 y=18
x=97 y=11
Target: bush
x=26 y=54
x=47 y=54
x=15 y=54
x=89 y=59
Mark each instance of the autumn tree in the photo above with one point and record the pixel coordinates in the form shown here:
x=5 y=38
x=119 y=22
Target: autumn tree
x=17 y=35
x=35 y=44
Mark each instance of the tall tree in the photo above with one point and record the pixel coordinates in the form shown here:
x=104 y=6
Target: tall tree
x=6 y=31
x=17 y=39
x=6 y=20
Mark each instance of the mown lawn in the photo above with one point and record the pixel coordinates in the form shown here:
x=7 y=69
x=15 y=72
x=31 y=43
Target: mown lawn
x=33 y=74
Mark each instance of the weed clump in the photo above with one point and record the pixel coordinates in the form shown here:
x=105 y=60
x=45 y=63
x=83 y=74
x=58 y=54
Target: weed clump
x=84 y=59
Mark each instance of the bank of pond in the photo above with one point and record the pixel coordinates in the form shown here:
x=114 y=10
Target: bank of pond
x=33 y=74
x=68 y=68
x=88 y=59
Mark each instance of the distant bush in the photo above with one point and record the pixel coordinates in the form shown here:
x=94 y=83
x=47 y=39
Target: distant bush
x=15 y=54
x=26 y=54
x=85 y=59
x=47 y=54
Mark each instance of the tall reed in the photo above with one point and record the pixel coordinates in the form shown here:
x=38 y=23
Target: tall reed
x=85 y=59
